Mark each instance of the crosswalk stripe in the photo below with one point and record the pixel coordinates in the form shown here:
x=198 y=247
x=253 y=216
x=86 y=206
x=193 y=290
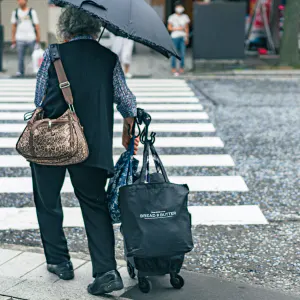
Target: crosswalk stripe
x=25 y=218
x=155 y=116
x=214 y=160
x=212 y=183
x=147 y=107
x=137 y=94
x=140 y=100
x=18 y=99
x=195 y=183
x=156 y=127
x=17 y=106
x=132 y=86
x=29 y=89
x=143 y=82
x=166 y=142
x=171 y=101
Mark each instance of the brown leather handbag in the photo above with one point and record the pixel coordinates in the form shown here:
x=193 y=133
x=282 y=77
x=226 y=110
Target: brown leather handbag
x=55 y=142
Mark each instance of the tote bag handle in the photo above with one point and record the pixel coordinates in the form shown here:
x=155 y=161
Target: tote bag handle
x=147 y=147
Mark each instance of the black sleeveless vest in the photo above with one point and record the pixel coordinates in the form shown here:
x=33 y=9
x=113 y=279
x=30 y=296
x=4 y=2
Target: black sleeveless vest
x=89 y=68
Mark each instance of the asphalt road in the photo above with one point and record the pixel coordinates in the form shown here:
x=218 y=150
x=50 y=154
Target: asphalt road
x=259 y=121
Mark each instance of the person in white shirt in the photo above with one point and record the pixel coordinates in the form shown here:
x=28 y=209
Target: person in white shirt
x=25 y=31
x=178 y=25
x=123 y=48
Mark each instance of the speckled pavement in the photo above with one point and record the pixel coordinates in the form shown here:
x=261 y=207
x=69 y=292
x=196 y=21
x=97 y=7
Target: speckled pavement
x=260 y=255
x=259 y=121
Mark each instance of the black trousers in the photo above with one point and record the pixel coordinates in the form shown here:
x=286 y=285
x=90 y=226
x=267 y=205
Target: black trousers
x=89 y=187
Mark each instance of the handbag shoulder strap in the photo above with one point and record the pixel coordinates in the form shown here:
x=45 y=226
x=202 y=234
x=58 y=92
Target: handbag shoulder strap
x=64 y=84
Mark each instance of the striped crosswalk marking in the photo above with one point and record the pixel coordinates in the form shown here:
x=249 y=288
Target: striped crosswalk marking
x=143 y=93
x=187 y=137
x=25 y=218
x=140 y=100
x=147 y=107
x=19 y=116
x=195 y=183
x=166 y=142
x=214 y=160
x=158 y=127
x=29 y=89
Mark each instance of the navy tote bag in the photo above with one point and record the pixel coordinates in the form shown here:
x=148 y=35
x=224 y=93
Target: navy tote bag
x=154 y=213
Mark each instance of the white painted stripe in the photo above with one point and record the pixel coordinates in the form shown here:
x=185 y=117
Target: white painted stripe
x=195 y=183
x=137 y=94
x=159 y=85
x=227 y=215
x=212 y=183
x=129 y=81
x=147 y=107
x=18 y=93
x=156 y=127
x=16 y=99
x=25 y=218
x=166 y=142
x=140 y=100
x=134 y=89
x=137 y=82
x=17 y=106
x=155 y=116
x=11 y=116
x=214 y=160
x=20 y=88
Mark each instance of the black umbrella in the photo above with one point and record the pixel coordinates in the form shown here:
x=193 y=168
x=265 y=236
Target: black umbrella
x=133 y=19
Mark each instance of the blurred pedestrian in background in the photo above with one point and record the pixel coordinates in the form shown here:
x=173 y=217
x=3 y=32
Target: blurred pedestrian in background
x=178 y=25
x=123 y=48
x=25 y=32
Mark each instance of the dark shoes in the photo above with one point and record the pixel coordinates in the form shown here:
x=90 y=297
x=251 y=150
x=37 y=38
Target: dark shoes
x=64 y=270
x=106 y=283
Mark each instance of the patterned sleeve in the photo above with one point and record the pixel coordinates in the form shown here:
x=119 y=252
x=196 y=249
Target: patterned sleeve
x=42 y=79
x=123 y=97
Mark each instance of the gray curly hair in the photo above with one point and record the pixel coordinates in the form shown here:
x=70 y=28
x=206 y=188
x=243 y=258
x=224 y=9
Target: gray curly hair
x=73 y=22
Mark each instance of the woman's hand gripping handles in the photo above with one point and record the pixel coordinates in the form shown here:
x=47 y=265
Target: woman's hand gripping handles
x=128 y=125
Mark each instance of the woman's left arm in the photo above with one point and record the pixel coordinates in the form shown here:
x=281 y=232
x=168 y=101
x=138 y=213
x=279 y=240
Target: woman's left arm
x=42 y=79
x=123 y=97
x=126 y=104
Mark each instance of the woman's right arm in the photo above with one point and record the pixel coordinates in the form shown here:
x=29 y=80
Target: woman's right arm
x=42 y=79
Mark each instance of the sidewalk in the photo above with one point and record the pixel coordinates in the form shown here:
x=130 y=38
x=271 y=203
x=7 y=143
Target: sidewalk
x=148 y=64
x=23 y=276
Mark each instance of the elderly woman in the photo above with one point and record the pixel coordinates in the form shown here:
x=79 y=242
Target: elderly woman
x=97 y=82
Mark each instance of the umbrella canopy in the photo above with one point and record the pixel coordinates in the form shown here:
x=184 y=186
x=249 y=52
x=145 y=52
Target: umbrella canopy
x=133 y=19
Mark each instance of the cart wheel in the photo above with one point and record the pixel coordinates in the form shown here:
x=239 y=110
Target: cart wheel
x=144 y=285
x=177 y=281
x=130 y=270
